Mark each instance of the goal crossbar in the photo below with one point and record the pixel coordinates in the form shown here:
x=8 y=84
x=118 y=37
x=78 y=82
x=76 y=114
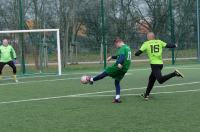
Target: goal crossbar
x=27 y=31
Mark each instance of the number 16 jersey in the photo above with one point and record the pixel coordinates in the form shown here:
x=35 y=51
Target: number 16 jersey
x=154 y=49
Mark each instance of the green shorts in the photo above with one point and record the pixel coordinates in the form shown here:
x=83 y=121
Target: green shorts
x=115 y=72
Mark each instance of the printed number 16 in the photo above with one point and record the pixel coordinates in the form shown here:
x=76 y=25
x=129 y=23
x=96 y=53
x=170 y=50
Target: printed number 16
x=154 y=48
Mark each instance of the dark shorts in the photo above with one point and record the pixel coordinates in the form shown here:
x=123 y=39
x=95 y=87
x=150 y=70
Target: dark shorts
x=156 y=68
x=10 y=63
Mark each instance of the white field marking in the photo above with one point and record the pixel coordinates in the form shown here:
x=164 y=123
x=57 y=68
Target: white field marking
x=75 y=78
x=188 y=68
x=99 y=62
x=129 y=89
x=38 y=81
x=55 y=75
x=169 y=92
x=95 y=72
x=128 y=74
x=52 y=80
x=170 y=67
x=93 y=94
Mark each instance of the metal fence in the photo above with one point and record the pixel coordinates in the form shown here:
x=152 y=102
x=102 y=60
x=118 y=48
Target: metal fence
x=88 y=27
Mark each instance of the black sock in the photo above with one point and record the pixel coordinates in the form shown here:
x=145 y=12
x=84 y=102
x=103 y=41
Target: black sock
x=100 y=76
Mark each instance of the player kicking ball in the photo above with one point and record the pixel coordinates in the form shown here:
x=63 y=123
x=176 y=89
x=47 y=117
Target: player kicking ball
x=154 y=48
x=7 y=57
x=118 y=69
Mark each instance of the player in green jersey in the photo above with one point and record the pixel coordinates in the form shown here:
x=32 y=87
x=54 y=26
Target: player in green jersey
x=118 y=69
x=154 y=48
x=7 y=57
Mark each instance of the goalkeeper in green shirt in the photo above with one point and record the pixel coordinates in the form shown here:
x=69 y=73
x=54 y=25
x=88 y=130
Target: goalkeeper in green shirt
x=154 y=48
x=118 y=69
x=7 y=57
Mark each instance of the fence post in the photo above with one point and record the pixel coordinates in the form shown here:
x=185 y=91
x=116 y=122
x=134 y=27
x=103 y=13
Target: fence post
x=172 y=29
x=198 y=32
x=21 y=27
x=103 y=31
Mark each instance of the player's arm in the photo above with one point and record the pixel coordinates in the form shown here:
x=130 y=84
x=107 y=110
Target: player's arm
x=114 y=57
x=142 y=49
x=138 y=53
x=120 y=60
x=111 y=57
x=14 y=53
x=14 y=56
x=170 y=45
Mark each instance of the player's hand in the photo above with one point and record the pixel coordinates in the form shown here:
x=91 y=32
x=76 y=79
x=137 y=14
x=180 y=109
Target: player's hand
x=119 y=66
x=109 y=58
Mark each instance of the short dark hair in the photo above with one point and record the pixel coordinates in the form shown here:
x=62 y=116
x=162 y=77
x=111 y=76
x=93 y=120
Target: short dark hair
x=118 y=39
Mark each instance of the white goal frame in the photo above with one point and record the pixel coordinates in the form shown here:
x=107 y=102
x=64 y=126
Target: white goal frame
x=43 y=30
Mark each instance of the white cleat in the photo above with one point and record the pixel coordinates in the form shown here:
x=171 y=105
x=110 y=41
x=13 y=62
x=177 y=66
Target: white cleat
x=179 y=74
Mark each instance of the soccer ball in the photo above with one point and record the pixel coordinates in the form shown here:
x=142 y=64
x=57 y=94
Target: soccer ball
x=84 y=79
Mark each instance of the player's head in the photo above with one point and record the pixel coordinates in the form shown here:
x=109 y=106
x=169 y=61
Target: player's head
x=150 y=36
x=118 y=42
x=5 y=42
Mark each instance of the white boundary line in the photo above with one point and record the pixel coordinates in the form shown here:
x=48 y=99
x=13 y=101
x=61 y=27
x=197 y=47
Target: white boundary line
x=170 y=92
x=43 y=76
x=37 y=81
x=93 y=94
x=138 y=88
x=52 y=80
x=95 y=72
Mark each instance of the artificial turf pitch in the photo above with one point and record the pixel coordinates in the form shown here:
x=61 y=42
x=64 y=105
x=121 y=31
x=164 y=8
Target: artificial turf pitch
x=60 y=104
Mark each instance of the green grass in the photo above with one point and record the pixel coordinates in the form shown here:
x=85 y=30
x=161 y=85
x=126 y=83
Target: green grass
x=20 y=111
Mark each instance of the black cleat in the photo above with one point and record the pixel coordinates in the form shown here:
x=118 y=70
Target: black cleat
x=116 y=101
x=178 y=73
x=146 y=97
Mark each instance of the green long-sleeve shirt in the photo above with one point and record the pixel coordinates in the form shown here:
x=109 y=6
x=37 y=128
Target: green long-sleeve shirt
x=7 y=53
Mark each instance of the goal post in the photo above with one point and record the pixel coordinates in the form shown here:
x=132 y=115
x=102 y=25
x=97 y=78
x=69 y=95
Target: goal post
x=39 y=38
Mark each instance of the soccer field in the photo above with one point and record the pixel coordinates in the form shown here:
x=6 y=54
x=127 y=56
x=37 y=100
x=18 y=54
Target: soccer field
x=60 y=104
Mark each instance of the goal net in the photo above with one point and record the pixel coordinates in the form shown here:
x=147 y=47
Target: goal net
x=38 y=51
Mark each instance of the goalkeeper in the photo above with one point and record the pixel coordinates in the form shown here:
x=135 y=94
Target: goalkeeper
x=117 y=70
x=7 y=57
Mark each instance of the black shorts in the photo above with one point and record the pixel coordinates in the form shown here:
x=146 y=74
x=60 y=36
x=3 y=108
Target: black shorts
x=156 y=67
x=10 y=63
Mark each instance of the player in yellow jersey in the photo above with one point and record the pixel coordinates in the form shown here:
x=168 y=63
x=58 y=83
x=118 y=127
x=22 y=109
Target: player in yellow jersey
x=8 y=57
x=154 y=48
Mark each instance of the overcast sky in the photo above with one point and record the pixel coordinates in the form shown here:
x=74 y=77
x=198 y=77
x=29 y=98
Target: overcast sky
x=143 y=7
